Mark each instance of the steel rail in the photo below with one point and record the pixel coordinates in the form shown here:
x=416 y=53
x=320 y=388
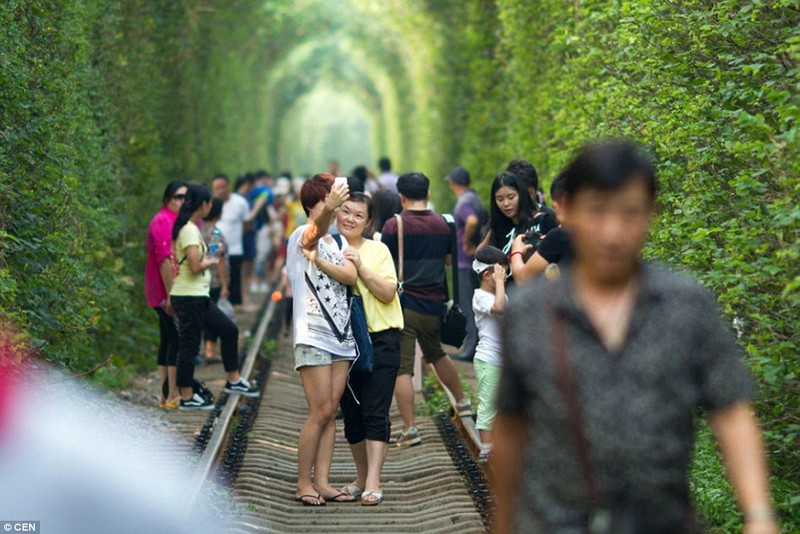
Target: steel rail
x=209 y=460
x=465 y=425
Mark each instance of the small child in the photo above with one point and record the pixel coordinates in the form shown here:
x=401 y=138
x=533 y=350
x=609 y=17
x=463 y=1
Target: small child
x=488 y=301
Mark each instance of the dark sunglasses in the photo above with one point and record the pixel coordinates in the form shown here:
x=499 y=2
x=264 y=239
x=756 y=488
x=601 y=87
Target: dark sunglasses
x=179 y=197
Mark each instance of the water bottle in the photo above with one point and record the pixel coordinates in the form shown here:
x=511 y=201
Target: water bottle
x=216 y=240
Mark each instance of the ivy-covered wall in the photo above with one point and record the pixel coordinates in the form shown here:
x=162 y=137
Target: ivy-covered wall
x=103 y=103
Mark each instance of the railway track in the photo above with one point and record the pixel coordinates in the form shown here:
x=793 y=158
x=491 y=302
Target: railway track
x=250 y=446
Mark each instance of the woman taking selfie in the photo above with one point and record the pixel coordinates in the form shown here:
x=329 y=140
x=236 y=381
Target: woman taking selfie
x=323 y=343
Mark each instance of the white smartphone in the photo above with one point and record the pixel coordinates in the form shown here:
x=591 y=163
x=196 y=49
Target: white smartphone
x=340 y=180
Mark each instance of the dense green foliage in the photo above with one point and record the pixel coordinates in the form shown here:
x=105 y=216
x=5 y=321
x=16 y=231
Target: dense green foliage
x=102 y=103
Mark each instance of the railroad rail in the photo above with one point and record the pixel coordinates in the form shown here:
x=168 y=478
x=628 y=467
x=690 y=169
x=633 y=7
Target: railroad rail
x=222 y=423
x=437 y=487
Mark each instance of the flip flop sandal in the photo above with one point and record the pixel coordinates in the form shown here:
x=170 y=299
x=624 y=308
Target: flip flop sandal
x=376 y=498
x=352 y=489
x=338 y=498
x=303 y=499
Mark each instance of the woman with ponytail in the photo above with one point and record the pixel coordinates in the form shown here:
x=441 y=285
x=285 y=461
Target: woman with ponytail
x=195 y=310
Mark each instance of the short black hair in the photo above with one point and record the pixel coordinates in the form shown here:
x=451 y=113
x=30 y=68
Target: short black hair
x=413 y=186
x=245 y=178
x=385 y=164
x=557 y=187
x=359 y=172
x=524 y=171
x=356 y=185
x=221 y=176
x=491 y=255
x=608 y=166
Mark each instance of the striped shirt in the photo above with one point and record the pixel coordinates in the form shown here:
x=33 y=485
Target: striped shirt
x=426 y=243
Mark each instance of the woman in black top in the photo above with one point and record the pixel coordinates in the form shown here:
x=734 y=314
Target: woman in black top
x=512 y=213
x=550 y=251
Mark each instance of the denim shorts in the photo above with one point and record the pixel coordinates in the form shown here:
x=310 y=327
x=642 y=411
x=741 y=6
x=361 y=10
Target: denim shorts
x=306 y=355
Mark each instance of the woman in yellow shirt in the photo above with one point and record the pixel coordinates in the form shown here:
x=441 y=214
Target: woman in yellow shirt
x=195 y=310
x=366 y=403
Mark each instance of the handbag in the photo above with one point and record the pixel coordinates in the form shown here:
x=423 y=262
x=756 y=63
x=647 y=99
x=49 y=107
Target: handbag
x=365 y=361
x=454 y=322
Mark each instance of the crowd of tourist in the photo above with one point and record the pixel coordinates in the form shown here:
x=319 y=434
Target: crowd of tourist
x=590 y=362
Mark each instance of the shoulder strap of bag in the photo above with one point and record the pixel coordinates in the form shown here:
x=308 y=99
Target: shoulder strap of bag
x=566 y=383
x=338 y=239
x=399 y=252
x=451 y=223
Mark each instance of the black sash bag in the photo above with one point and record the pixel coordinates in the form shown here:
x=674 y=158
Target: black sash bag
x=365 y=359
x=454 y=322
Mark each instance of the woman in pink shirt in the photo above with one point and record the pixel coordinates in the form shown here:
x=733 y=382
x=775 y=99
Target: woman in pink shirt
x=158 y=283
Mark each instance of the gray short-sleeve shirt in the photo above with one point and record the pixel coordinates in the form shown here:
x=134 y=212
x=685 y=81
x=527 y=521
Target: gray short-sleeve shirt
x=638 y=404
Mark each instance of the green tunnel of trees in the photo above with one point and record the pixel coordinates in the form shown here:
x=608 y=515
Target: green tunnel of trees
x=102 y=103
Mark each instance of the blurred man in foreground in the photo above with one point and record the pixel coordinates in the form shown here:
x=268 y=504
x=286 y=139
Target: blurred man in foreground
x=595 y=423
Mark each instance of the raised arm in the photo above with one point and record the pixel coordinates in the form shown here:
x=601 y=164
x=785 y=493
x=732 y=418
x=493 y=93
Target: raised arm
x=318 y=225
x=499 y=276
x=525 y=270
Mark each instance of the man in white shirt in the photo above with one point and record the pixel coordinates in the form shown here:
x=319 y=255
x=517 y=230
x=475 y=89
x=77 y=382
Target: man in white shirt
x=235 y=216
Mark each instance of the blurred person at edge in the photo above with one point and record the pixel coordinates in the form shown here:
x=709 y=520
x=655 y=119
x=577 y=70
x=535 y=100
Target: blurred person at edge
x=71 y=466
x=596 y=419
x=366 y=403
x=158 y=283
